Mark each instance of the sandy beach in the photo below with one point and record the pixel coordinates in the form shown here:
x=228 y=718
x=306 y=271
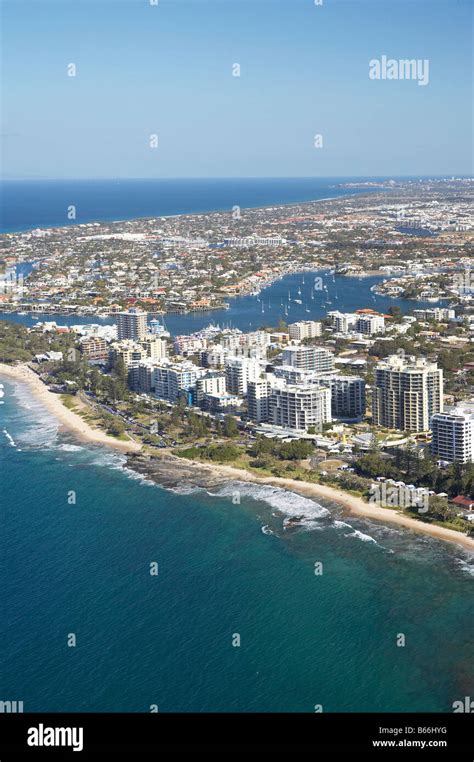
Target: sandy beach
x=352 y=504
x=355 y=505
x=67 y=418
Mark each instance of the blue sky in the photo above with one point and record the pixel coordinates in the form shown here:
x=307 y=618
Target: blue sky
x=167 y=70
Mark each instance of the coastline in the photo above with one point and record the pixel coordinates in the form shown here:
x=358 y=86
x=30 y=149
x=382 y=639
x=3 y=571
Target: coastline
x=67 y=418
x=353 y=505
x=145 y=218
x=216 y=472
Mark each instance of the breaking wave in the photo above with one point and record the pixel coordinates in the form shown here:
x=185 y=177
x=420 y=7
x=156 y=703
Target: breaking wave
x=361 y=536
x=10 y=439
x=37 y=429
x=285 y=502
x=466 y=564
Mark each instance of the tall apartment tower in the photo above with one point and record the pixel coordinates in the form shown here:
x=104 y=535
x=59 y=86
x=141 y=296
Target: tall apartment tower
x=239 y=371
x=453 y=435
x=258 y=397
x=298 y=407
x=318 y=359
x=407 y=392
x=347 y=396
x=131 y=324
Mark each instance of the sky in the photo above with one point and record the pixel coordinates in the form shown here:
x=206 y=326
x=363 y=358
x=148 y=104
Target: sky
x=167 y=70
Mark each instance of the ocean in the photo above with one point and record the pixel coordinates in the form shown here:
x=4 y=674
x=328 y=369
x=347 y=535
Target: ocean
x=28 y=204
x=223 y=569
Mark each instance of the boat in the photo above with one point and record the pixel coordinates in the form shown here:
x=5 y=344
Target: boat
x=297 y=301
x=307 y=310
x=299 y=292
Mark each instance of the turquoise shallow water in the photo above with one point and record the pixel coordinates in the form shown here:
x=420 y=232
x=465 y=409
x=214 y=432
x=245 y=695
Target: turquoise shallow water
x=167 y=640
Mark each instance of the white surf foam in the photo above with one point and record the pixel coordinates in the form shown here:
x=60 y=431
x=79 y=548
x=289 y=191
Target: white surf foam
x=283 y=501
x=69 y=447
x=466 y=564
x=339 y=524
x=10 y=439
x=36 y=428
x=107 y=459
x=136 y=476
x=184 y=489
x=361 y=536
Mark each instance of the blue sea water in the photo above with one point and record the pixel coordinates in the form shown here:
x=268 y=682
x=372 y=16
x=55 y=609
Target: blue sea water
x=44 y=203
x=223 y=568
x=167 y=639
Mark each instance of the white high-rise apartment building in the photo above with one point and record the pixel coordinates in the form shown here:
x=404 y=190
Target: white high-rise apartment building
x=453 y=435
x=318 y=359
x=132 y=353
x=343 y=322
x=305 y=329
x=169 y=379
x=131 y=324
x=347 y=396
x=370 y=324
x=155 y=347
x=435 y=313
x=299 y=407
x=212 y=384
x=407 y=392
x=258 y=395
x=239 y=371
x=354 y=322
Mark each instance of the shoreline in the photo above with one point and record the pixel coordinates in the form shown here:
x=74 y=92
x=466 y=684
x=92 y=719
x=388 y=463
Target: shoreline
x=353 y=505
x=66 y=418
x=189 y=214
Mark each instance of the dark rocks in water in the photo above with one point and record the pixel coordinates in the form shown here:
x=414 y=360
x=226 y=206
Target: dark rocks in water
x=170 y=472
x=294 y=521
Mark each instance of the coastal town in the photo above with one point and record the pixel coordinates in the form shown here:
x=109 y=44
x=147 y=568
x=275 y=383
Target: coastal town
x=420 y=232
x=236 y=377
x=378 y=405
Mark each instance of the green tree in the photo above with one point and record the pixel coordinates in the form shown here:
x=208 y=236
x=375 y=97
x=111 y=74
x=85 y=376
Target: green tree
x=230 y=427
